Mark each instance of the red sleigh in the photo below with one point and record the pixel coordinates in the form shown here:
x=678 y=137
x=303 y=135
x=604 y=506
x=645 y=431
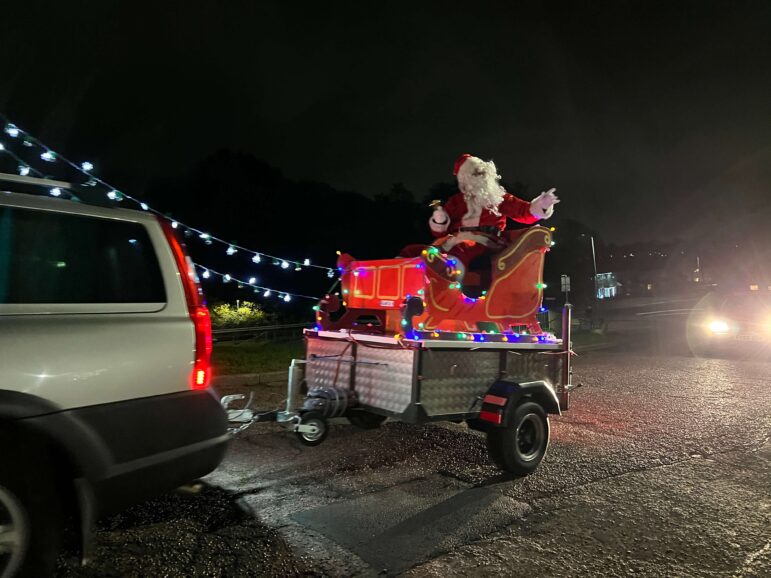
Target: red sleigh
x=426 y=293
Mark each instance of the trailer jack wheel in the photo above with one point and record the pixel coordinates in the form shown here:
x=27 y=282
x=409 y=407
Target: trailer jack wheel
x=519 y=447
x=312 y=428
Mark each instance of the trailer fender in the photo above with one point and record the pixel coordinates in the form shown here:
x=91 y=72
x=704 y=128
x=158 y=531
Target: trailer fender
x=503 y=397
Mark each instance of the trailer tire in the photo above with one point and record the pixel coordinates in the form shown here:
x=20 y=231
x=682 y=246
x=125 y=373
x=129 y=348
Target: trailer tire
x=366 y=419
x=316 y=418
x=520 y=446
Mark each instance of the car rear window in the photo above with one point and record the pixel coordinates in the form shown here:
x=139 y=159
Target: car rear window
x=48 y=257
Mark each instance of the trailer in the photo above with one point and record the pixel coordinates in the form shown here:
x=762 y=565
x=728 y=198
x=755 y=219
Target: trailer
x=503 y=384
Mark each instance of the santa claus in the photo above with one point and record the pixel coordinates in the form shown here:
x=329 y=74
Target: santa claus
x=473 y=221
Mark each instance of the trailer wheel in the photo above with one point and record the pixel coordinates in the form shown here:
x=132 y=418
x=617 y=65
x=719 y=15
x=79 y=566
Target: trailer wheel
x=314 y=438
x=366 y=419
x=519 y=447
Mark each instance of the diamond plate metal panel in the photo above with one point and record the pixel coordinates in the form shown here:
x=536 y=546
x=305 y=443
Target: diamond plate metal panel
x=532 y=365
x=452 y=380
x=321 y=371
x=384 y=377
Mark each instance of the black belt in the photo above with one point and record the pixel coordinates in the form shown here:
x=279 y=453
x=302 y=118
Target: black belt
x=487 y=229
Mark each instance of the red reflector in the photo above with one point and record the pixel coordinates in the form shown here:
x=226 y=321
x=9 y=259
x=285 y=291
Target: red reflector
x=494 y=400
x=491 y=416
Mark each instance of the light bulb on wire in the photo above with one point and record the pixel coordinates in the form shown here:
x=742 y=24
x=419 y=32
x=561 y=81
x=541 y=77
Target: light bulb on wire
x=48 y=156
x=11 y=130
x=87 y=166
x=256 y=258
x=23 y=170
x=231 y=250
x=267 y=293
x=56 y=192
x=284 y=265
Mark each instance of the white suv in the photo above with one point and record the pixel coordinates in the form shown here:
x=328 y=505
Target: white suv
x=104 y=371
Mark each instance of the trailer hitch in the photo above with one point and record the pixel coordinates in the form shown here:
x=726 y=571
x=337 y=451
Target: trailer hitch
x=245 y=416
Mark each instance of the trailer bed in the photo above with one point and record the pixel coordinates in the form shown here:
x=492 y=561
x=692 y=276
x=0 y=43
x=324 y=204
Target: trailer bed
x=420 y=380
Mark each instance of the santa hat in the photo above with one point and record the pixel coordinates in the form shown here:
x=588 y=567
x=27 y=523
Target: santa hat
x=459 y=162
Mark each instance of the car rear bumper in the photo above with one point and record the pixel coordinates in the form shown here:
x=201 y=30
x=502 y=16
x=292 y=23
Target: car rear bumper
x=131 y=450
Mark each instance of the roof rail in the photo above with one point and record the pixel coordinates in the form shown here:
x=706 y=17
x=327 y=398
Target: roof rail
x=83 y=194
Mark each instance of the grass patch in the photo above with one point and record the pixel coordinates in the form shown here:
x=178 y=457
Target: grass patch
x=255 y=356
x=231 y=357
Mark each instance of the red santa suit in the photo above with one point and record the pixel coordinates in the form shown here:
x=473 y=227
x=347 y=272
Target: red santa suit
x=473 y=221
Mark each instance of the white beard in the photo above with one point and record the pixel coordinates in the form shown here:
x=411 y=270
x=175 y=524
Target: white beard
x=480 y=191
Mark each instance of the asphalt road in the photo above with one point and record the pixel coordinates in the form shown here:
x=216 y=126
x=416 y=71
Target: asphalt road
x=662 y=467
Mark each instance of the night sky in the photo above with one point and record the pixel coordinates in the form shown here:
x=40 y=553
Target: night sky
x=653 y=120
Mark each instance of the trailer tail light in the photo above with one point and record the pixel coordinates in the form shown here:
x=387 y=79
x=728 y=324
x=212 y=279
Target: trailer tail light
x=199 y=314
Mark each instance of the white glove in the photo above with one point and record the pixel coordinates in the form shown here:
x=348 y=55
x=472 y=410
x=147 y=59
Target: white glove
x=439 y=221
x=542 y=206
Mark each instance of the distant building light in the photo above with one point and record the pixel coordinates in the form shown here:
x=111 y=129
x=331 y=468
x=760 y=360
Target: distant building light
x=754 y=287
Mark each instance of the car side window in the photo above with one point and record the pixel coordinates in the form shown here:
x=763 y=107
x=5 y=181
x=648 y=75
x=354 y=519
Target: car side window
x=48 y=257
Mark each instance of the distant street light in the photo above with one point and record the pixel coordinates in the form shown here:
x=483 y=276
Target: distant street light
x=594 y=263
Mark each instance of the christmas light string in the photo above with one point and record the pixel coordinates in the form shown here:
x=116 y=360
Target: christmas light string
x=206 y=273
x=24 y=169
x=114 y=194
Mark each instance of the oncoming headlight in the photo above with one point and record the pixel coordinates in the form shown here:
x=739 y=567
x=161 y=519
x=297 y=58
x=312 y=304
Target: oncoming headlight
x=718 y=326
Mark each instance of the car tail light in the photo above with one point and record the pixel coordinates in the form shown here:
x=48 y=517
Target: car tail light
x=199 y=314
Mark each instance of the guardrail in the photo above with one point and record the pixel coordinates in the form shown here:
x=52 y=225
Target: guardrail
x=267 y=332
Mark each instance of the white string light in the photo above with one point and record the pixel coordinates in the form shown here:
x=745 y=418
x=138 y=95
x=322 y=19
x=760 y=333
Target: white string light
x=267 y=292
x=115 y=195
x=24 y=169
